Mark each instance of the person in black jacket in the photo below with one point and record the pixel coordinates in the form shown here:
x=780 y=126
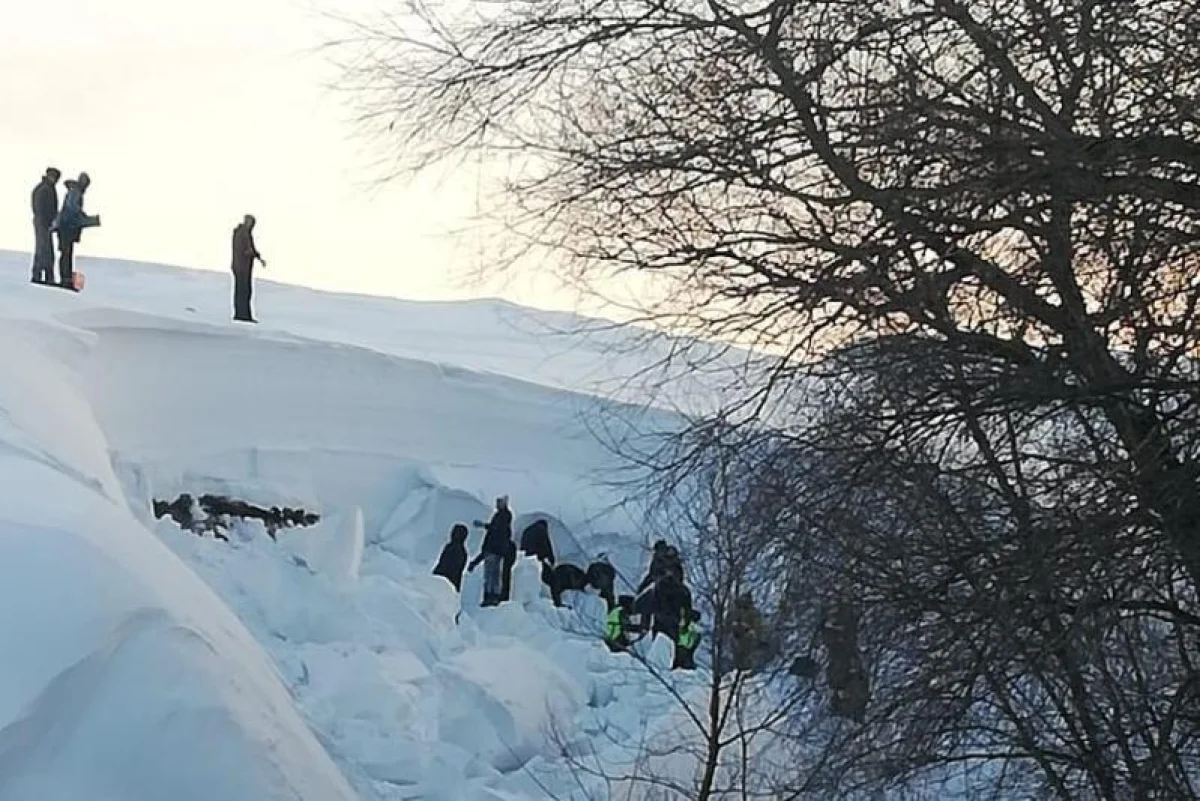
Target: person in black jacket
x=603 y=577
x=535 y=542
x=565 y=577
x=496 y=541
x=44 y=201
x=453 y=560
x=664 y=560
x=672 y=600
x=245 y=253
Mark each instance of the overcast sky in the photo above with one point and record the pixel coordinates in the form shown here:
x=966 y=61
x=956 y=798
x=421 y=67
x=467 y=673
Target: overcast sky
x=188 y=115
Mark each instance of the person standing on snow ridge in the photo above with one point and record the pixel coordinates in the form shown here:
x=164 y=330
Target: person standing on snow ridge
x=71 y=222
x=244 y=255
x=44 y=201
x=496 y=539
x=453 y=560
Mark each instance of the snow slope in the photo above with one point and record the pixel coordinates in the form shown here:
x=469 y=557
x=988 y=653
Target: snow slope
x=330 y=664
x=553 y=349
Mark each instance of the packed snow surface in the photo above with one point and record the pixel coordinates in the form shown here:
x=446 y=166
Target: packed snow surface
x=144 y=662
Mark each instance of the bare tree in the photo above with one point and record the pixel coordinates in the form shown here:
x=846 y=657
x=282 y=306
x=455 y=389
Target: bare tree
x=728 y=729
x=1017 y=177
x=967 y=231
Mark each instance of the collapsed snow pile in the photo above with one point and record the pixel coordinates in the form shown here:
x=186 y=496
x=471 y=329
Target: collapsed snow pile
x=125 y=676
x=327 y=664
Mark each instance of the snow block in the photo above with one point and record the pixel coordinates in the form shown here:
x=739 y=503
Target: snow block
x=527 y=581
x=333 y=547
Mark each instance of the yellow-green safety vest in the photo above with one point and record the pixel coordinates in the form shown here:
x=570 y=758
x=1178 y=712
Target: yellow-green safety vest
x=615 y=626
x=689 y=636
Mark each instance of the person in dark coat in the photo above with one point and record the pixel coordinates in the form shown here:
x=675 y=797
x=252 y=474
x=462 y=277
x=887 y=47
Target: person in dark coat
x=603 y=577
x=535 y=542
x=566 y=577
x=672 y=600
x=665 y=559
x=245 y=253
x=453 y=560
x=44 y=201
x=71 y=222
x=496 y=541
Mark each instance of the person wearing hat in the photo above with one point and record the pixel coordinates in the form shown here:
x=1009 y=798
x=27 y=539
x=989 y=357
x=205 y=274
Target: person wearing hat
x=245 y=252
x=70 y=224
x=496 y=541
x=45 y=209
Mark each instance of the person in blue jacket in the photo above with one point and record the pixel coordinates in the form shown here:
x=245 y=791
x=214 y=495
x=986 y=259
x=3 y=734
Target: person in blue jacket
x=72 y=221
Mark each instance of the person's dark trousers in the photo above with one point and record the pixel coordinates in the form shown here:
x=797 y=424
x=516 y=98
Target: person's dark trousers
x=66 y=260
x=241 y=294
x=506 y=586
x=43 y=254
x=685 y=659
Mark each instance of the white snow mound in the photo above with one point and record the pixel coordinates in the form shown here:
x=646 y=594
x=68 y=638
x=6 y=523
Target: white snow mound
x=145 y=662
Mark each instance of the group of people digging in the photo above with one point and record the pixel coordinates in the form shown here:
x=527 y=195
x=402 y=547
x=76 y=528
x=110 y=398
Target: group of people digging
x=662 y=604
x=498 y=554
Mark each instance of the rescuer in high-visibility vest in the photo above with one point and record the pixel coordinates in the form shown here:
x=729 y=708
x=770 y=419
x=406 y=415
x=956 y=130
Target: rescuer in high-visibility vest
x=615 y=633
x=688 y=641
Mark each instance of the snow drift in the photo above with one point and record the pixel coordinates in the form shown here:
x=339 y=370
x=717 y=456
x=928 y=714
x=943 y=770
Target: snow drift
x=329 y=664
x=119 y=661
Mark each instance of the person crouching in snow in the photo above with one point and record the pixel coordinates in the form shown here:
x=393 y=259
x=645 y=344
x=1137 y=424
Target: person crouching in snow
x=616 y=635
x=603 y=577
x=71 y=222
x=496 y=539
x=453 y=560
x=688 y=641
